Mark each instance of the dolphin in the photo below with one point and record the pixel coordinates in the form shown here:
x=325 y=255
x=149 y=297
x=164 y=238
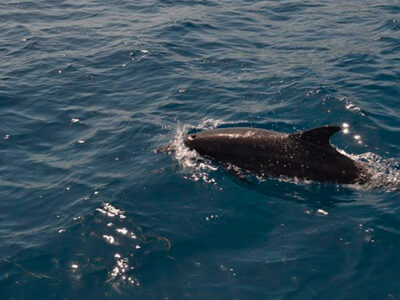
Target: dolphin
x=305 y=155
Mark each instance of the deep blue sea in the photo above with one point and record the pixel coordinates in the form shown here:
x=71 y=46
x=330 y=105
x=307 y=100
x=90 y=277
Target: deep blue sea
x=88 y=89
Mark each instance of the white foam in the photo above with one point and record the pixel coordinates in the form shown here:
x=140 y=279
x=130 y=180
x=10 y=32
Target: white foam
x=192 y=163
x=385 y=172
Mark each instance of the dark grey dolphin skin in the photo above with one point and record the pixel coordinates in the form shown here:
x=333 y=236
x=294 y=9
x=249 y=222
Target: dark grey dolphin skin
x=305 y=155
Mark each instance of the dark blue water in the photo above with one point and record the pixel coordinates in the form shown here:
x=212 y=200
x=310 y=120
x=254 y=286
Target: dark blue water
x=89 y=88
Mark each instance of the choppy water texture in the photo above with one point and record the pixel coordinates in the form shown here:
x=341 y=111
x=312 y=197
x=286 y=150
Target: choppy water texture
x=89 y=88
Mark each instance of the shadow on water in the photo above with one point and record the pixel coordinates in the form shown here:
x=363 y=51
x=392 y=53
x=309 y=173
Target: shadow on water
x=311 y=194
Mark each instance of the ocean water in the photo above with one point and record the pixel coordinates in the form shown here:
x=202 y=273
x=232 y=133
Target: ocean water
x=89 y=88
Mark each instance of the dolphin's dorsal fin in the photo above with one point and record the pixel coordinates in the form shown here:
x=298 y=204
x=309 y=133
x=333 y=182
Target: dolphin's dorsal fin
x=319 y=135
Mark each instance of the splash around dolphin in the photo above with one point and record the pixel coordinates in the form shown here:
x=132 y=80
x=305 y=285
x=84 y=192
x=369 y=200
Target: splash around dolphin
x=304 y=155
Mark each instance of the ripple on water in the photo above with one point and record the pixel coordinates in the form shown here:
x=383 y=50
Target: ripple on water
x=88 y=88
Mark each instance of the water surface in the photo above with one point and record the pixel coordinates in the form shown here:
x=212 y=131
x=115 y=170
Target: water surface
x=89 y=88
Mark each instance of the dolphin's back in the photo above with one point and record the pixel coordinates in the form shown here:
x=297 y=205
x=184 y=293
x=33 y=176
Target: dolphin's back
x=307 y=154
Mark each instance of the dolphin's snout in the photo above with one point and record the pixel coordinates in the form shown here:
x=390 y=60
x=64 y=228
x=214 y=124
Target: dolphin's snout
x=189 y=140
